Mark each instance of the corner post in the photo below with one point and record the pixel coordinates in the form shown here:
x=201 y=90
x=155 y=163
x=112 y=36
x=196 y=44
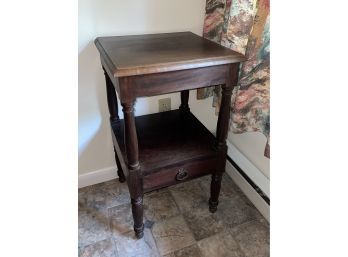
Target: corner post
x=221 y=135
x=135 y=181
x=184 y=107
x=114 y=118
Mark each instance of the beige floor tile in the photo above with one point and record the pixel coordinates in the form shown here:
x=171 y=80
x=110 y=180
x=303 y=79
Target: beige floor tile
x=129 y=246
x=220 y=245
x=117 y=194
x=82 y=202
x=104 y=248
x=93 y=227
x=234 y=211
x=160 y=206
x=190 y=251
x=172 y=234
x=175 y=217
x=188 y=195
x=106 y=195
x=202 y=222
x=253 y=238
x=120 y=219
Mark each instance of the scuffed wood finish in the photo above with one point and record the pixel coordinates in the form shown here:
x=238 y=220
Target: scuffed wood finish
x=163 y=149
x=157 y=53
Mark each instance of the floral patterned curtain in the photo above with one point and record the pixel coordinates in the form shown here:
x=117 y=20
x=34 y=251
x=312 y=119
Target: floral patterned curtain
x=243 y=26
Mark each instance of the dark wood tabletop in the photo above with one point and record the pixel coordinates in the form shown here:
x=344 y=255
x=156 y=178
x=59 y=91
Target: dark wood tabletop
x=156 y=53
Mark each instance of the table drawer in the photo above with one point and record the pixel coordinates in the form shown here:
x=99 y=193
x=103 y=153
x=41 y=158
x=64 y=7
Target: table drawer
x=177 y=174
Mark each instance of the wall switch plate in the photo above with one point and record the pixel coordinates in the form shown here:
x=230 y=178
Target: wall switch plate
x=164 y=104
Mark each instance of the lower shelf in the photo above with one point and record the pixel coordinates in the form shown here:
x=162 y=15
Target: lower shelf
x=170 y=142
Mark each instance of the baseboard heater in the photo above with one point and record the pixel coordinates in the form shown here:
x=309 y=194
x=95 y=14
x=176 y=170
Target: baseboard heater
x=251 y=183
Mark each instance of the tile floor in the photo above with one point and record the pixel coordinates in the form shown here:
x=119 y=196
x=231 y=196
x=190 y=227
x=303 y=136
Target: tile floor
x=177 y=222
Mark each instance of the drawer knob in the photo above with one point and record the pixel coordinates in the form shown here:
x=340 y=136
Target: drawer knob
x=181 y=175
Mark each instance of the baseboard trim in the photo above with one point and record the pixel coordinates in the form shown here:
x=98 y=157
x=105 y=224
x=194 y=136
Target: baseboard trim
x=250 y=182
x=248 y=190
x=97 y=176
x=249 y=168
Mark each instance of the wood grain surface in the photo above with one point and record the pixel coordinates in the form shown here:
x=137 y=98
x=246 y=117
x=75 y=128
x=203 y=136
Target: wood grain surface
x=155 y=53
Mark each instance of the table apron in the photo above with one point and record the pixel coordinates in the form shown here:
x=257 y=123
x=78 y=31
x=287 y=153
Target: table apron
x=175 y=81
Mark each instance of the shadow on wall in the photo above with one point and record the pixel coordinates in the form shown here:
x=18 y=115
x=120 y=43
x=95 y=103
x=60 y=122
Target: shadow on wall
x=93 y=112
x=99 y=19
x=106 y=18
x=95 y=142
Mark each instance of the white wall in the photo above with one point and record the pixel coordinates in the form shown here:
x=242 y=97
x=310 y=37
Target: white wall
x=119 y=17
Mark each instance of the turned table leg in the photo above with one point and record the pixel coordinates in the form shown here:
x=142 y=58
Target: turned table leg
x=120 y=173
x=221 y=135
x=184 y=107
x=113 y=110
x=135 y=183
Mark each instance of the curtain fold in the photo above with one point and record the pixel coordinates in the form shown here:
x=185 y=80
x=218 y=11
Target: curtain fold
x=243 y=26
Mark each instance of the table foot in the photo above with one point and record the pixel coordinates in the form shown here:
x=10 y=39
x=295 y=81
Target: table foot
x=139 y=232
x=213 y=206
x=137 y=210
x=214 y=192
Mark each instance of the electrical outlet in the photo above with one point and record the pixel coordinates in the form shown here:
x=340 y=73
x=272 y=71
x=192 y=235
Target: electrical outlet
x=164 y=104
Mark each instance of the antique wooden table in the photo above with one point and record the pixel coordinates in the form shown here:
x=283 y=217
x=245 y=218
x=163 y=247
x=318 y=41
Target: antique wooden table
x=162 y=149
